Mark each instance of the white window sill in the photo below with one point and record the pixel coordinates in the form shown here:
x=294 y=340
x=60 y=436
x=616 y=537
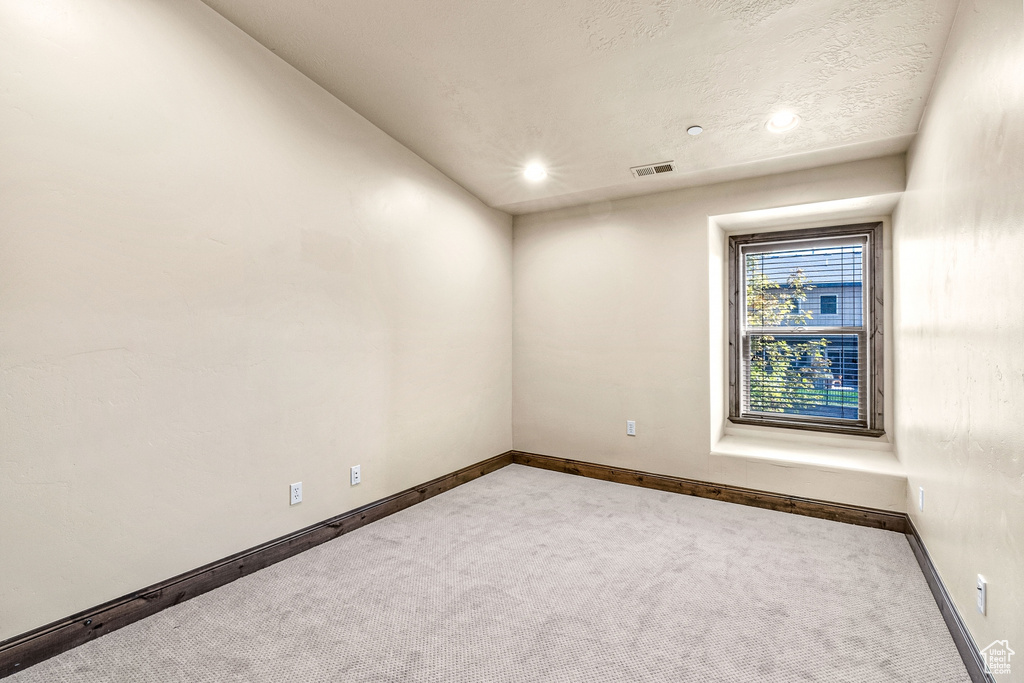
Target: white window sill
x=879 y=459
x=867 y=475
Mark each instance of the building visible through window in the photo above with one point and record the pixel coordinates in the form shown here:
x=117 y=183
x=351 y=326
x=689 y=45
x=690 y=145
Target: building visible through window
x=795 y=363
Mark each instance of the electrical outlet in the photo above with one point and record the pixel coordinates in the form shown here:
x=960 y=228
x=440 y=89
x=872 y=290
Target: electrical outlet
x=356 y=476
x=982 y=593
x=296 y=493
x=630 y=427
x=920 y=499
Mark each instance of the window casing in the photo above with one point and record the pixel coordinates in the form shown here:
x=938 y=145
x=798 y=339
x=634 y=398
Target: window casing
x=805 y=318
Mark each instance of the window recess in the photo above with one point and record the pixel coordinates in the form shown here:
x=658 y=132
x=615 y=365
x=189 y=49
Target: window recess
x=806 y=329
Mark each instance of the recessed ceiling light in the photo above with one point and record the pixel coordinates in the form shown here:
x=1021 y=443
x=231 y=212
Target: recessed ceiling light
x=535 y=172
x=694 y=130
x=782 y=122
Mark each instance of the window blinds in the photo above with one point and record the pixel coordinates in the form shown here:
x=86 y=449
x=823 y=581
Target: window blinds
x=803 y=330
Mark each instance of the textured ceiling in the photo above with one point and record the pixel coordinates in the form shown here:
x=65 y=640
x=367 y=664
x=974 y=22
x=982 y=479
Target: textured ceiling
x=592 y=87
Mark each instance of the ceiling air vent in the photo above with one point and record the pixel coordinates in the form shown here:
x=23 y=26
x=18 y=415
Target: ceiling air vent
x=653 y=169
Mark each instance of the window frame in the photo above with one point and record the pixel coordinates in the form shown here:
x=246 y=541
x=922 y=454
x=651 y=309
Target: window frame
x=872 y=376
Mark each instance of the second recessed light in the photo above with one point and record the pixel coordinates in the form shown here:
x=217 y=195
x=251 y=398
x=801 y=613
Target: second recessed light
x=782 y=122
x=535 y=172
x=694 y=130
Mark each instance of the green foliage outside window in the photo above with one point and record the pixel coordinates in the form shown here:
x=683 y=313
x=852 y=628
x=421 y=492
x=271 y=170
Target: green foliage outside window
x=784 y=375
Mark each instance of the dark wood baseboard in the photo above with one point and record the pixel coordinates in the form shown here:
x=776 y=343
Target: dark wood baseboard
x=850 y=514
x=21 y=652
x=954 y=622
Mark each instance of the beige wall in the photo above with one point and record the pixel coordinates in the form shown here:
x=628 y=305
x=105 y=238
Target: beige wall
x=612 y=321
x=216 y=280
x=959 y=333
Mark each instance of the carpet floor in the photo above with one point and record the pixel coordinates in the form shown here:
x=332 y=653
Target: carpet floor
x=530 y=575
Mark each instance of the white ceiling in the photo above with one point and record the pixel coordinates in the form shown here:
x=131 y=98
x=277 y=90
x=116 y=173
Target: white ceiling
x=479 y=88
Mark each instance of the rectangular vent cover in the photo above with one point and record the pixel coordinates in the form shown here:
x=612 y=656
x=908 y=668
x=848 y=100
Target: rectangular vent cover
x=653 y=169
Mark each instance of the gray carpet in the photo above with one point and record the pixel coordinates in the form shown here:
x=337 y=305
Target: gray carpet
x=528 y=575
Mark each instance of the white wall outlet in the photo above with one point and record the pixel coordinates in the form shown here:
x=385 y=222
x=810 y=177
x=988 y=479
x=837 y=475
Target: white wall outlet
x=982 y=593
x=630 y=427
x=920 y=498
x=356 y=476
x=296 y=493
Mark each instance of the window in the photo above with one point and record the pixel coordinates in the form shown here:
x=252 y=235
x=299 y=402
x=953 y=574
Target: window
x=794 y=364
